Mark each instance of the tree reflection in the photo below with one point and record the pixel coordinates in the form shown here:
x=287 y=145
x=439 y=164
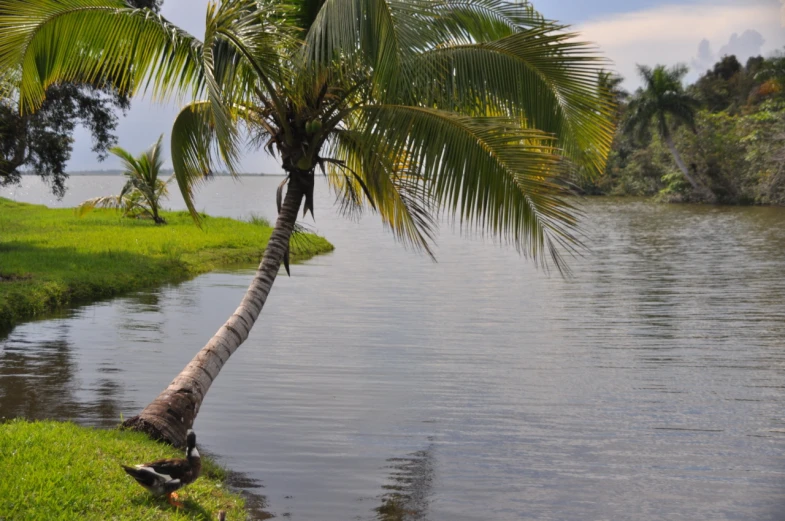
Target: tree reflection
x=408 y=496
x=39 y=379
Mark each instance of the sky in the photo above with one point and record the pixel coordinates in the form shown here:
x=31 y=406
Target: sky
x=628 y=32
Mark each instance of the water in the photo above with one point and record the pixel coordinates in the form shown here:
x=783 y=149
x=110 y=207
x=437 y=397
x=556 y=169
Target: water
x=651 y=385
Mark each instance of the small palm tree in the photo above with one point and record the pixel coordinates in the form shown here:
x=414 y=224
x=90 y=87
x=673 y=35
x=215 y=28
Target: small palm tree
x=664 y=101
x=471 y=108
x=141 y=196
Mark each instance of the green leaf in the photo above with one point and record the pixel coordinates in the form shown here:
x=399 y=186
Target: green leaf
x=96 y=42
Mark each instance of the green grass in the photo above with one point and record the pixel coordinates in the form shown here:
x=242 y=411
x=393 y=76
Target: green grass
x=59 y=471
x=49 y=258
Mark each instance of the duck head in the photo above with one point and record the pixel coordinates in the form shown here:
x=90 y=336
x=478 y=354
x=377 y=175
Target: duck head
x=191 y=451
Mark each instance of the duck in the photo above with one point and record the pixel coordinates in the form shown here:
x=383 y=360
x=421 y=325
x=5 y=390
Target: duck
x=165 y=476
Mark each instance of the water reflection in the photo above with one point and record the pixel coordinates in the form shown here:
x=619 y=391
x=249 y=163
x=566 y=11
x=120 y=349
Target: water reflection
x=408 y=497
x=38 y=379
x=36 y=376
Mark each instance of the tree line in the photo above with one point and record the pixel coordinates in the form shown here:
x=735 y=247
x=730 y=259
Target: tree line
x=720 y=139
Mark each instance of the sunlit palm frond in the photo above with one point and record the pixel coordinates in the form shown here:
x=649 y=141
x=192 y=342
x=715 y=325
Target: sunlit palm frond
x=477 y=21
x=242 y=55
x=487 y=172
x=196 y=150
x=114 y=202
x=541 y=76
x=365 y=175
x=97 y=42
x=382 y=33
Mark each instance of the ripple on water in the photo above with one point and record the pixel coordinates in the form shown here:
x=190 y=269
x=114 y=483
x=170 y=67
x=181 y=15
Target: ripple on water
x=377 y=383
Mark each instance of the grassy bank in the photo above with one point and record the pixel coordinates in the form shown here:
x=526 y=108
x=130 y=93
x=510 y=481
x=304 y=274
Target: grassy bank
x=59 y=471
x=49 y=258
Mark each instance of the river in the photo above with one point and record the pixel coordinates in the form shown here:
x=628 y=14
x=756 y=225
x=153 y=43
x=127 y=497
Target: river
x=648 y=386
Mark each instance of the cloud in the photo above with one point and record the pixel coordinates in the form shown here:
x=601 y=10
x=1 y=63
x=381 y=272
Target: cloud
x=782 y=13
x=750 y=43
x=705 y=57
x=668 y=34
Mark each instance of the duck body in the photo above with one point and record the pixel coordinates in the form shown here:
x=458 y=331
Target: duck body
x=163 y=477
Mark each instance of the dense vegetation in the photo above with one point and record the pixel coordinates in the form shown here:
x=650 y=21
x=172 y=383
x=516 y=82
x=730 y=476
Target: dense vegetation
x=51 y=258
x=735 y=146
x=64 y=472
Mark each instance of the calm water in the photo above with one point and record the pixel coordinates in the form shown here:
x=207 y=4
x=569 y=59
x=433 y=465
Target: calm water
x=650 y=386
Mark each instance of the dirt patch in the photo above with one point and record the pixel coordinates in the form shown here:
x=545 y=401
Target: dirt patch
x=13 y=278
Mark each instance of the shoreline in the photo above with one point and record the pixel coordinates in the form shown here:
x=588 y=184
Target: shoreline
x=75 y=471
x=50 y=259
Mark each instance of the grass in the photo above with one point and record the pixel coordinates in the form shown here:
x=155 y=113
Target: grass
x=49 y=258
x=60 y=471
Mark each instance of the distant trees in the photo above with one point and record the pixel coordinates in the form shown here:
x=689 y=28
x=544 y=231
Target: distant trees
x=771 y=74
x=734 y=148
x=610 y=85
x=731 y=86
x=42 y=142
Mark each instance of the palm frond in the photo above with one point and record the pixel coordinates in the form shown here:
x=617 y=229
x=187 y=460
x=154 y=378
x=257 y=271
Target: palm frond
x=382 y=33
x=194 y=149
x=489 y=173
x=478 y=21
x=362 y=175
x=95 y=42
x=110 y=201
x=539 y=76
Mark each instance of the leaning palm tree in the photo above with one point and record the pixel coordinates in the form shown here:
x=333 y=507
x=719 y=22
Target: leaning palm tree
x=142 y=193
x=664 y=101
x=411 y=108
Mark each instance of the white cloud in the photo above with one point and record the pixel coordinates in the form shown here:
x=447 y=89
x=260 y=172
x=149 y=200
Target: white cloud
x=782 y=13
x=673 y=33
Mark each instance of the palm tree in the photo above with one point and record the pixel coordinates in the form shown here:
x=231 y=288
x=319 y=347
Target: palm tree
x=141 y=196
x=610 y=85
x=663 y=100
x=470 y=108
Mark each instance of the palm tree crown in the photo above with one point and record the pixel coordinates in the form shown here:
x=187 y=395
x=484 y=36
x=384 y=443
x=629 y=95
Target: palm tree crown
x=410 y=105
x=664 y=101
x=471 y=108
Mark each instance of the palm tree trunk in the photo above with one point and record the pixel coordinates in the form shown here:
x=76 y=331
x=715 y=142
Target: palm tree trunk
x=173 y=412
x=680 y=163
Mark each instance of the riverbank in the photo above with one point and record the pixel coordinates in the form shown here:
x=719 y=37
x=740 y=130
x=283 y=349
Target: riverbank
x=50 y=258
x=63 y=471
